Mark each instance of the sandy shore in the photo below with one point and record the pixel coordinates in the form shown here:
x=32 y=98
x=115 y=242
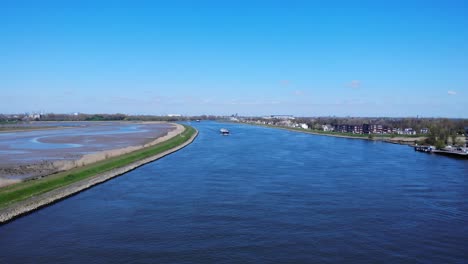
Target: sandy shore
x=95 y=157
x=39 y=201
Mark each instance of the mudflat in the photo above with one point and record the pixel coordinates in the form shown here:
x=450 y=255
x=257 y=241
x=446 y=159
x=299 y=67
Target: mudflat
x=59 y=146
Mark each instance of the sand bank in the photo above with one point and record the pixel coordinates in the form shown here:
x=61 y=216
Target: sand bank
x=22 y=160
x=39 y=201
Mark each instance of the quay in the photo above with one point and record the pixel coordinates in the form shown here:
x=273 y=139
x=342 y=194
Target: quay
x=432 y=149
x=452 y=153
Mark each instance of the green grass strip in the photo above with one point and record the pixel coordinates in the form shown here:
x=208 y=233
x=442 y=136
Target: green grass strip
x=21 y=191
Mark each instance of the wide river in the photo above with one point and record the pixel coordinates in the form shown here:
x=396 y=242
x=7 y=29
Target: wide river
x=260 y=195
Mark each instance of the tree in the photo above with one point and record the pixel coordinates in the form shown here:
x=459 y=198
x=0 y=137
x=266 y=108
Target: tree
x=440 y=144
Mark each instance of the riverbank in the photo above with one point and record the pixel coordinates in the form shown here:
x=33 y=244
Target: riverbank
x=387 y=139
x=33 y=154
x=25 y=197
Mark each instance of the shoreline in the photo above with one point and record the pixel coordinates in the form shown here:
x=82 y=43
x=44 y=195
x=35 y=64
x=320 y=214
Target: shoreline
x=35 y=202
x=14 y=129
x=12 y=173
x=399 y=140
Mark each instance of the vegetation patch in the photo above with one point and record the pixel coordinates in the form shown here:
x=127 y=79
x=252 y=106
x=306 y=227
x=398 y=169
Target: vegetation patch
x=24 y=190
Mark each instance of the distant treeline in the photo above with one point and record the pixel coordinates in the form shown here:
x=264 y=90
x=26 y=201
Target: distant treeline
x=446 y=124
x=442 y=131
x=99 y=117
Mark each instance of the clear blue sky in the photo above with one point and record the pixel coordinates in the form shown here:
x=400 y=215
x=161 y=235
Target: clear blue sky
x=306 y=58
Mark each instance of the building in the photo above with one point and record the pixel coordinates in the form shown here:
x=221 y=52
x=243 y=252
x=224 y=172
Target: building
x=304 y=126
x=466 y=136
x=366 y=129
x=283 y=117
x=355 y=129
x=376 y=129
x=409 y=131
x=388 y=130
x=327 y=128
x=33 y=116
x=424 y=131
x=341 y=128
x=286 y=123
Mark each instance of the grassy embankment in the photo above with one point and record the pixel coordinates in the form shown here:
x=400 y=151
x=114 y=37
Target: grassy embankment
x=24 y=190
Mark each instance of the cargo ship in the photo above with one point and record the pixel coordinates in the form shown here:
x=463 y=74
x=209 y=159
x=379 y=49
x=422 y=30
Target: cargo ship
x=224 y=131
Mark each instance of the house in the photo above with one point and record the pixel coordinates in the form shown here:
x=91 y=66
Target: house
x=365 y=128
x=424 y=131
x=286 y=123
x=409 y=131
x=34 y=116
x=283 y=117
x=388 y=130
x=376 y=129
x=341 y=128
x=355 y=129
x=327 y=128
x=304 y=126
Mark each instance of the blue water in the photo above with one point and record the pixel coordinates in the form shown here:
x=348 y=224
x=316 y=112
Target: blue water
x=260 y=196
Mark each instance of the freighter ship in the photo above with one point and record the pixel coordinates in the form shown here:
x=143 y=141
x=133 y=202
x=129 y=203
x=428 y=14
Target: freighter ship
x=224 y=131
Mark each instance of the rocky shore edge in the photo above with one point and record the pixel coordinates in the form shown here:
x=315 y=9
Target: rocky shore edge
x=36 y=202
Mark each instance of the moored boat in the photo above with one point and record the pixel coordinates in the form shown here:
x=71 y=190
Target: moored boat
x=424 y=148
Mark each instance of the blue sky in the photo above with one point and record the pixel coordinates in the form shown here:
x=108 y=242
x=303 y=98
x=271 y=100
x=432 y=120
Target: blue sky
x=305 y=58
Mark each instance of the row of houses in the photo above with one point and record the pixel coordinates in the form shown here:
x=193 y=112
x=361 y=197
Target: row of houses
x=289 y=121
x=372 y=129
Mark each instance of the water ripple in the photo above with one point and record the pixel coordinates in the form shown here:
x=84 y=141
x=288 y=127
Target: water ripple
x=260 y=196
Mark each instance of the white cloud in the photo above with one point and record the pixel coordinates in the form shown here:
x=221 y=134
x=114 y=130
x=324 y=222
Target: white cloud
x=451 y=92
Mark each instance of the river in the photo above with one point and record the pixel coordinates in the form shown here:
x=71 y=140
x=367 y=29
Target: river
x=260 y=195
